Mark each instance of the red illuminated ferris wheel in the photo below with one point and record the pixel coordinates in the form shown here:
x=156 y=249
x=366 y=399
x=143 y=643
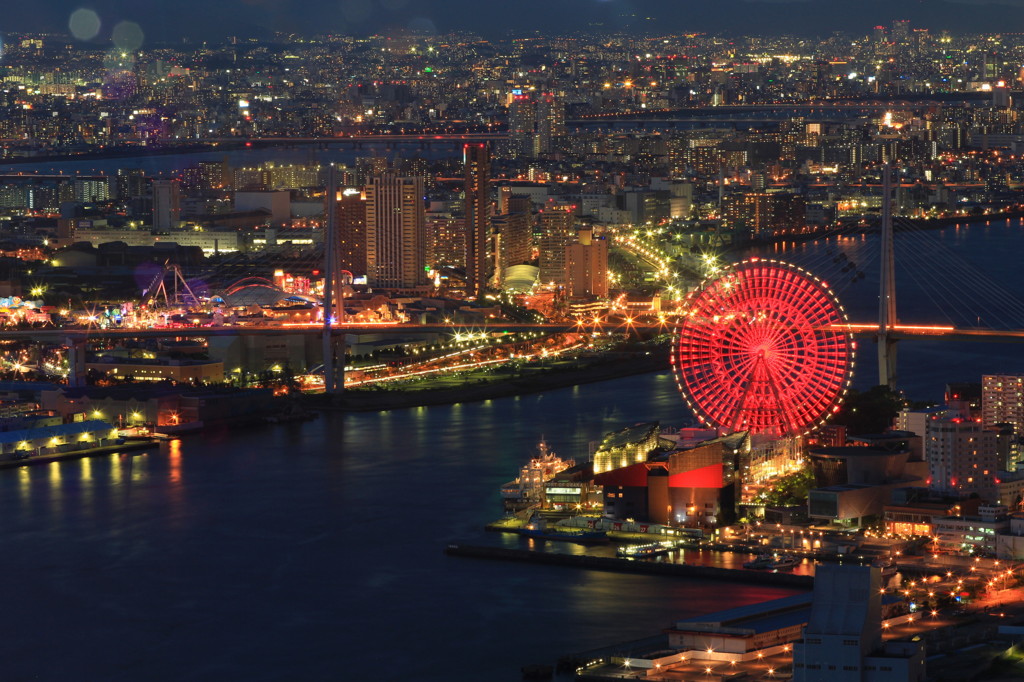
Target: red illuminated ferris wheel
x=762 y=348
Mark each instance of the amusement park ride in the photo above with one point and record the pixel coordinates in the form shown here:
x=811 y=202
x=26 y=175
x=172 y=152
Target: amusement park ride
x=766 y=347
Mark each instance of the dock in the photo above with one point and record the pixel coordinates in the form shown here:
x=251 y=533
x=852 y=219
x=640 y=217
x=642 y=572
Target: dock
x=619 y=565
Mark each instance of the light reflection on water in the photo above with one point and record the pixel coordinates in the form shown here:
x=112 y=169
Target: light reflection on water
x=284 y=548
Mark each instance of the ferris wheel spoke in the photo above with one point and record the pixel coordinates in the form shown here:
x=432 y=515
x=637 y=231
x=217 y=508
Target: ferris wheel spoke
x=753 y=353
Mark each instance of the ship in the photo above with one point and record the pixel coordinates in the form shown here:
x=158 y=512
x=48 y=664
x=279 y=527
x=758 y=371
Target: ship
x=527 y=489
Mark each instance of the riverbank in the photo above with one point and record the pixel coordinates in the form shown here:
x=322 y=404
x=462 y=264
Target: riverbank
x=127 y=446
x=368 y=400
x=630 y=566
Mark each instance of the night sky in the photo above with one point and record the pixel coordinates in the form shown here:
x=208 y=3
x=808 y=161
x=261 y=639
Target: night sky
x=163 y=20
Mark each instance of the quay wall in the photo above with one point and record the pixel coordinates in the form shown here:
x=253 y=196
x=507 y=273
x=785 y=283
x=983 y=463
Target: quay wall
x=630 y=566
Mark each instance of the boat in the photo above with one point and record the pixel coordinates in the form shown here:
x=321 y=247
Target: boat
x=644 y=551
x=773 y=562
x=786 y=563
x=761 y=563
x=527 y=489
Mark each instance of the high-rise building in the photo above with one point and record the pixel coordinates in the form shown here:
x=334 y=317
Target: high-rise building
x=477 y=167
x=129 y=183
x=166 y=205
x=962 y=457
x=395 y=232
x=513 y=239
x=900 y=31
x=522 y=125
x=446 y=240
x=772 y=213
x=550 y=121
x=214 y=174
x=89 y=190
x=1002 y=400
x=350 y=226
x=586 y=266
x=556 y=233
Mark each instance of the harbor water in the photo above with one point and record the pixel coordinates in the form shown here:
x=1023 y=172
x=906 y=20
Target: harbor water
x=314 y=551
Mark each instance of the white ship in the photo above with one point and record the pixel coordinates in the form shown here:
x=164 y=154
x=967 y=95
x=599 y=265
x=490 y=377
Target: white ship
x=527 y=489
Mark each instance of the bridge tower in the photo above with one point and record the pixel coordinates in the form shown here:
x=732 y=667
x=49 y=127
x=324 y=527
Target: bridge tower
x=76 y=361
x=887 y=289
x=333 y=360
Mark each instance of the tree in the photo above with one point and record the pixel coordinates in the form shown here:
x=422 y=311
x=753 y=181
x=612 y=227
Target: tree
x=871 y=411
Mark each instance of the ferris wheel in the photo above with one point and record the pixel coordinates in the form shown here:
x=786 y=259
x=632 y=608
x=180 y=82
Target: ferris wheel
x=764 y=348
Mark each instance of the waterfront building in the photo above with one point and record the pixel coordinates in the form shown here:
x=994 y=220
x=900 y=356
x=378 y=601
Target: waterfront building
x=654 y=477
x=843 y=638
x=768 y=213
x=395 y=232
x=52 y=439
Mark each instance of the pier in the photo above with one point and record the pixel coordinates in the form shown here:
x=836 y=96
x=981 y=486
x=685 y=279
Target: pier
x=630 y=566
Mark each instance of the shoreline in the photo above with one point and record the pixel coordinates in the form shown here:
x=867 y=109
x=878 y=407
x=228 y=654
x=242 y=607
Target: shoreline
x=127 y=446
x=618 y=565
x=373 y=401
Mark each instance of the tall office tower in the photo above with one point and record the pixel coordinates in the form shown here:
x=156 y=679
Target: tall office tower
x=550 y=121
x=900 y=31
x=878 y=34
x=476 y=159
x=395 y=227
x=586 y=266
x=555 y=234
x=522 y=125
x=350 y=226
x=166 y=205
x=129 y=183
x=1002 y=400
x=962 y=457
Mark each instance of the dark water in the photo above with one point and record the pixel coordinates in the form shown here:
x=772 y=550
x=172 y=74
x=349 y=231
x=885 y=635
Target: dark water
x=314 y=552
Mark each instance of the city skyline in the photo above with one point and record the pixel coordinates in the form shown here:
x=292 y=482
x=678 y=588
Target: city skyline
x=262 y=18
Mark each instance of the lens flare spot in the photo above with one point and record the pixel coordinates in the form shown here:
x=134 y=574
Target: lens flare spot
x=84 y=24
x=128 y=36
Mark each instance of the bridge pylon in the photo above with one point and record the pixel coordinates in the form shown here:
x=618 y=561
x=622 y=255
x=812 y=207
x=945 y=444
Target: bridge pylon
x=887 y=290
